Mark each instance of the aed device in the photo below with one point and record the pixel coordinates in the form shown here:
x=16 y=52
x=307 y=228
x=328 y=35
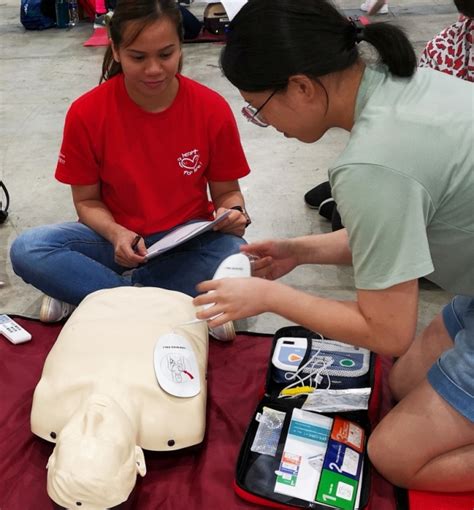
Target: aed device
x=328 y=358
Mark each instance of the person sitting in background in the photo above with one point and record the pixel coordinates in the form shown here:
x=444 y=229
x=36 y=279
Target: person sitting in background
x=452 y=50
x=140 y=151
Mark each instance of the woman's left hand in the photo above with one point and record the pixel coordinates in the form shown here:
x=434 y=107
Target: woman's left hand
x=232 y=299
x=234 y=223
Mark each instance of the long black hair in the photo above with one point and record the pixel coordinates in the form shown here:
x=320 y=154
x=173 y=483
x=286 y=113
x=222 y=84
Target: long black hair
x=270 y=40
x=144 y=13
x=465 y=7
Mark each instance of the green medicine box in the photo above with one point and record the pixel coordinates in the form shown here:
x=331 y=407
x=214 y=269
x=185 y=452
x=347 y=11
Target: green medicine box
x=337 y=490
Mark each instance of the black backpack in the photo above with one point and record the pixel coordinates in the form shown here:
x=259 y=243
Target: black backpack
x=37 y=14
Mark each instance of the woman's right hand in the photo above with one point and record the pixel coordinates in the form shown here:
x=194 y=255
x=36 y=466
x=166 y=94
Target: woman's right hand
x=125 y=254
x=95 y=214
x=273 y=258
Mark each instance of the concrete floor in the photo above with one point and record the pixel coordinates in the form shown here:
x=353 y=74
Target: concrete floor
x=43 y=72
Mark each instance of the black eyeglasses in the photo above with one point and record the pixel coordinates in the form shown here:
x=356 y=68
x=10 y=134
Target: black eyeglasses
x=252 y=114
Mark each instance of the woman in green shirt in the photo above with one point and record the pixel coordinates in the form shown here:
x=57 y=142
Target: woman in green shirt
x=404 y=186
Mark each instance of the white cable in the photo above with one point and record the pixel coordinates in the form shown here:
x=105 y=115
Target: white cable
x=296 y=374
x=313 y=376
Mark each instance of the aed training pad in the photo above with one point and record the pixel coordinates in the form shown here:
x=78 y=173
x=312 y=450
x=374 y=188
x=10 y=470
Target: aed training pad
x=176 y=367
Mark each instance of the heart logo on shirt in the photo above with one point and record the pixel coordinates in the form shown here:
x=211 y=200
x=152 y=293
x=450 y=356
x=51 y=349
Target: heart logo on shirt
x=190 y=162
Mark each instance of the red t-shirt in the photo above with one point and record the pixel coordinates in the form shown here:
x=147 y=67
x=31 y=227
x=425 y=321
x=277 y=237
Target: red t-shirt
x=153 y=168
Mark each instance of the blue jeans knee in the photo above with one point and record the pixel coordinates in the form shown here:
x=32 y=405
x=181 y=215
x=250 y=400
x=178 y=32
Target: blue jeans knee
x=452 y=376
x=183 y=267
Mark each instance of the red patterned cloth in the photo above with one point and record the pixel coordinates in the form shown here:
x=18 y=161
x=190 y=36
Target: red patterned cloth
x=452 y=50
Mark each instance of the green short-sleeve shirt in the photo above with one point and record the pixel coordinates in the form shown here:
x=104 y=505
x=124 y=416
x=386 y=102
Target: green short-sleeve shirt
x=404 y=185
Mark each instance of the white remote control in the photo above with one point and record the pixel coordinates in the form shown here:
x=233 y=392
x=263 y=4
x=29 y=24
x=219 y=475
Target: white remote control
x=13 y=331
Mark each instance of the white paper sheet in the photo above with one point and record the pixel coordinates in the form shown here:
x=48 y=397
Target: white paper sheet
x=182 y=234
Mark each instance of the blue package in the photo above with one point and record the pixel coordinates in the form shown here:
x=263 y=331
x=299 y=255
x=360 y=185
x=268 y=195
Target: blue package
x=343 y=459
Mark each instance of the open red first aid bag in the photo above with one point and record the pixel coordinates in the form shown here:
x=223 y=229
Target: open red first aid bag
x=305 y=446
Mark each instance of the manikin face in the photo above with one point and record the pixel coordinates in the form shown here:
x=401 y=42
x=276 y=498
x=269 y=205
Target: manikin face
x=291 y=111
x=96 y=459
x=150 y=63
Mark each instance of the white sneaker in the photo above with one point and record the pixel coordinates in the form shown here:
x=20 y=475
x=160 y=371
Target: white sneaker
x=369 y=3
x=53 y=310
x=224 y=333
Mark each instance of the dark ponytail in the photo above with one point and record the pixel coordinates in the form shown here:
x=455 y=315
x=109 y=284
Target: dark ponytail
x=143 y=13
x=270 y=40
x=393 y=46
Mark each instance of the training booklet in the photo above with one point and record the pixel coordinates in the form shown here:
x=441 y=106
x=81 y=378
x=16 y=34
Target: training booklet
x=182 y=234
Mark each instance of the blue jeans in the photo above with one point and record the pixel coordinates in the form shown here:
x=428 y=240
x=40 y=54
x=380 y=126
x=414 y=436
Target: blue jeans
x=68 y=261
x=452 y=376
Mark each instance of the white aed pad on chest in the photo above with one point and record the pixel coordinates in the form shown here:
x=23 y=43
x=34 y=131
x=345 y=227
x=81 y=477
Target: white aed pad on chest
x=176 y=366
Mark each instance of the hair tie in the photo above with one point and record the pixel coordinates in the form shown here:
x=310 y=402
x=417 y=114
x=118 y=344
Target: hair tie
x=358 y=30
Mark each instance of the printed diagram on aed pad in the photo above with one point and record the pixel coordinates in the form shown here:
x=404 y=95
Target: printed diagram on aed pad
x=177 y=371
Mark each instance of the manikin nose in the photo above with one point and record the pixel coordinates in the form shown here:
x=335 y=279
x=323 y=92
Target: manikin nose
x=92 y=422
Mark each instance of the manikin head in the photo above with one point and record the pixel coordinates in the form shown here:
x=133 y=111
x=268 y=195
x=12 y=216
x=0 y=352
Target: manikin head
x=96 y=460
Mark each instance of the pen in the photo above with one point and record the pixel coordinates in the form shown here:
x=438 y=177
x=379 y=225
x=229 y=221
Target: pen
x=135 y=242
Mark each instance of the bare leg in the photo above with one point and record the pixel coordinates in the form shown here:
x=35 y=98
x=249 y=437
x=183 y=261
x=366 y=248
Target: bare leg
x=424 y=444
x=412 y=367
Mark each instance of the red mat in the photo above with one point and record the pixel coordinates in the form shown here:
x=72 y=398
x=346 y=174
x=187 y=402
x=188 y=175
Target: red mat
x=100 y=38
x=200 y=478
x=434 y=501
x=195 y=479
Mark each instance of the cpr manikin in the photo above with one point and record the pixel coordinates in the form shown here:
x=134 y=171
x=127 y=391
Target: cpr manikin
x=99 y=398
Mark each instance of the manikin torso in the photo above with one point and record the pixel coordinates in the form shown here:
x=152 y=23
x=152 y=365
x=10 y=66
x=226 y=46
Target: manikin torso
x=105 y=350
